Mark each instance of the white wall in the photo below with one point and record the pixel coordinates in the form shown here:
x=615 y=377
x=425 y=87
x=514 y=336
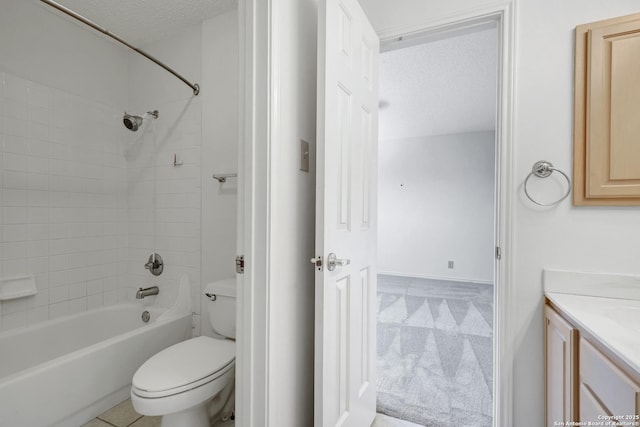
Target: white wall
x=436 y=203
x=63 y=176
x=219 y=150
x=566 y=237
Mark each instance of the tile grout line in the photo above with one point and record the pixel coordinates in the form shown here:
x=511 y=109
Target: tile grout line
x=105 y=421
x=135 y=421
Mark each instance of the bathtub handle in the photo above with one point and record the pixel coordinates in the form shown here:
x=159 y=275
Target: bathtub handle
x=212 y=297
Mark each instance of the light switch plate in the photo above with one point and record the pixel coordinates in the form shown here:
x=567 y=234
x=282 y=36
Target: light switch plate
x=304 y=156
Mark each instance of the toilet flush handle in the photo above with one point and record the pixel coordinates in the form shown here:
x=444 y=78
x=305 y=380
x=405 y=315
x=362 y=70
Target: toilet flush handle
x=212 y=297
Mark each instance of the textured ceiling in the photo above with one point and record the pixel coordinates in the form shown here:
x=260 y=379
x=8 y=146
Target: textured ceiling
x=143 y=21
x=441 y=87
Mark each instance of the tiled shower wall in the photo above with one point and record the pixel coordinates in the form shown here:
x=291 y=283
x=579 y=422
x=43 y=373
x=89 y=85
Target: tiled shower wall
x=63 y=187
x=84 y=202
x=164 y=198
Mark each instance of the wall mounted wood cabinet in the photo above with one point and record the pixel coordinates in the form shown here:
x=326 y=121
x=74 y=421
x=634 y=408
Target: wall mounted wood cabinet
x=607 y=113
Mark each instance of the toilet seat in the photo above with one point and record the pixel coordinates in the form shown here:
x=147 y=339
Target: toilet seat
x=183 y=367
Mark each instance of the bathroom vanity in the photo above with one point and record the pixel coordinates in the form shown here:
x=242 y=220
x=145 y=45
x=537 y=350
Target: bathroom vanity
x=592 y=349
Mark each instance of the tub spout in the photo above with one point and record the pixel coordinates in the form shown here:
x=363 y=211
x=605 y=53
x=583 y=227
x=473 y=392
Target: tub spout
x=153 y=290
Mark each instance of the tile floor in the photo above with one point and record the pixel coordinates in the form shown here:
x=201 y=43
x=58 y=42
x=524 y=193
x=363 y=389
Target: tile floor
x=123 y=415
x=387 y=421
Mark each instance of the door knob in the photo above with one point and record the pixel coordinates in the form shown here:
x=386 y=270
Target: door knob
x=333 y=261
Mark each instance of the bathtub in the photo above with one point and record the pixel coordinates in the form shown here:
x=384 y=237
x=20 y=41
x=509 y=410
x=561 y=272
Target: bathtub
x=67 y=371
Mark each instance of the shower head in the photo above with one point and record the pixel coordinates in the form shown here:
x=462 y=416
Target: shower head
x=134 y=122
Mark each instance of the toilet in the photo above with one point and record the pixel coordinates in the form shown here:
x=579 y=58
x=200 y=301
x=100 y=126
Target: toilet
x=179 y=382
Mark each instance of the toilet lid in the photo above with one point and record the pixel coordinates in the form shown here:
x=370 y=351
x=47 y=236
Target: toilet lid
x=184 y=363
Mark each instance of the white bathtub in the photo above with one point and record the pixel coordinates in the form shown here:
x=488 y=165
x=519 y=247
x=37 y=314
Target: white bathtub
x=65 y=372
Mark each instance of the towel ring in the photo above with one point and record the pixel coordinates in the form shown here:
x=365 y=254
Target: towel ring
x=543 y=169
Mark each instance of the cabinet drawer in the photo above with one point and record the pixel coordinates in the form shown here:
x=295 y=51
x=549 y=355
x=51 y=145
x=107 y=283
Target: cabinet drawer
x=612 y=387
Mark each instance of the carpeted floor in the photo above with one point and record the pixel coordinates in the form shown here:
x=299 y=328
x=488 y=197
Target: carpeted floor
x=435 y=351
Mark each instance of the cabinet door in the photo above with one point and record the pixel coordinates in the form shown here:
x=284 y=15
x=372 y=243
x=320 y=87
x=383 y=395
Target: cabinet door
x=590 y=408
x=613 y=105
x=560 y=369
x=607 y=105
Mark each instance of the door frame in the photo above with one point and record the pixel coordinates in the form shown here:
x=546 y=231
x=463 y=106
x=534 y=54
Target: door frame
x=254 y=223
x=501 y=15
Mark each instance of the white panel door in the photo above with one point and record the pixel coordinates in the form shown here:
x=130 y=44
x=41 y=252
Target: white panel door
x=348 y=49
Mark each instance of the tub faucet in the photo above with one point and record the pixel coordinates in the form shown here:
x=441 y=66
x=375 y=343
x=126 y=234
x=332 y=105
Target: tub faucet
x=153 y=290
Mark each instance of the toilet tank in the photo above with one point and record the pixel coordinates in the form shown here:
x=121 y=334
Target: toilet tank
x=222 y=306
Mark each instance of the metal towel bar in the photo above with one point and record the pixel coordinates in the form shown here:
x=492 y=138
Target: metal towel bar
x=543 y=169
x=222 y=177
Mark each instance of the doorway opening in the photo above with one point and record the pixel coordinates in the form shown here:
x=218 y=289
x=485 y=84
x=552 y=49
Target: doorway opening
x=437 y=234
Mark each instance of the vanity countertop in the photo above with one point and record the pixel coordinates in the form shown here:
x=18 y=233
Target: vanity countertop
x=614 y=322
x=606 y=306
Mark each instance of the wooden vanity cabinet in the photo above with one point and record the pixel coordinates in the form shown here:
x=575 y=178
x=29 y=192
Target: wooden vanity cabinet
x=561 y=367
x=604 y=387
x=582 y=382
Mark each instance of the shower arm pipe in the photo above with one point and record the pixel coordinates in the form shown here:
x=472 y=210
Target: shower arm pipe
x=71 y=13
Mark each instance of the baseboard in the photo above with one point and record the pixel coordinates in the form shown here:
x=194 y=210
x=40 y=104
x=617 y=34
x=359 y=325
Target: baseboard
x=452 y=279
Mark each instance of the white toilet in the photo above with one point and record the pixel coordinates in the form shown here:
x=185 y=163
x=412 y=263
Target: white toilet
x=180 y=381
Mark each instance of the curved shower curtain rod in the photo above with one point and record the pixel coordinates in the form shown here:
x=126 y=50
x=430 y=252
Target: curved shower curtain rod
x=71 y=13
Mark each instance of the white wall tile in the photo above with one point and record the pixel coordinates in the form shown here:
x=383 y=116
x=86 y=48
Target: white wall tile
x=14 y=215
x=37 y=264
x=14 y=320
x=38 y=215
x=37 y=315
x=37 y=181
x=58 y=310
x=77 y=305
x=77 y=290
x=13 y=233
x=41 y=299
x=14 y=197
x=13 y=179
x=14 y=162
x=58 y=294
x=14 y=306
x=95 y=301
x=110 y=298
x=15 y=110
x=15 y=127
x=13 y=250
x=14 y=267
x=15 y=144
x=95 y=287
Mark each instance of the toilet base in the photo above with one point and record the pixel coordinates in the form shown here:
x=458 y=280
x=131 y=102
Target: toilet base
x=197 y=416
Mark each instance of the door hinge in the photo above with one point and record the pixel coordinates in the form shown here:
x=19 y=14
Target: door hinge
x=317 y=261
x=498 y=253
x=240 y=264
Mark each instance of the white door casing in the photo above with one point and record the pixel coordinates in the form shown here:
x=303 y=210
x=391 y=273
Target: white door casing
x=346 y=193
